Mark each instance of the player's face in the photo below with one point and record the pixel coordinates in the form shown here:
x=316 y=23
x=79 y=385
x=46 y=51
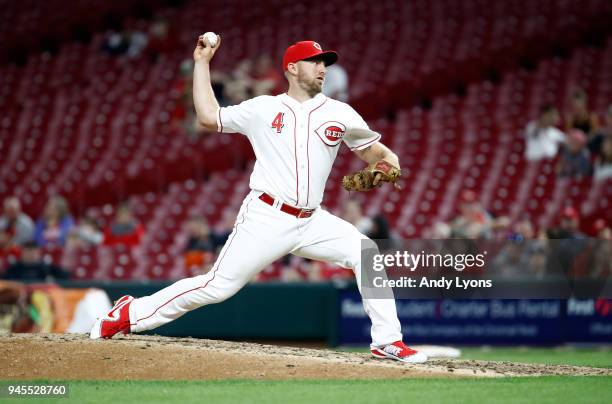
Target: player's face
x=311 y=75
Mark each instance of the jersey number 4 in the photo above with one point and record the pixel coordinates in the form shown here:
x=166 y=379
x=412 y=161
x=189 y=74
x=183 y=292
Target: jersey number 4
x=277 y=123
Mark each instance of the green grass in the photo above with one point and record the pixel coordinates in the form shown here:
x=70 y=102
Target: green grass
x=508 y=390
x=558 y=356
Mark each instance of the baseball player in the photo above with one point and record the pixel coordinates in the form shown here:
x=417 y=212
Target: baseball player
x=296 y=137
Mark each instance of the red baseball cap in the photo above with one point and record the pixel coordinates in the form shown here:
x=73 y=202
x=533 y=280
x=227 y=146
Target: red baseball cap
x=305 y=50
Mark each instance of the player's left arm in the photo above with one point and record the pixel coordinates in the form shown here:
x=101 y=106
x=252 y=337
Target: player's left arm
x=376 y=153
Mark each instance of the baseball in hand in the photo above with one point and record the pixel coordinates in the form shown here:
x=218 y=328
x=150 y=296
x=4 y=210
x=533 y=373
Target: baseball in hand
x=211 y=37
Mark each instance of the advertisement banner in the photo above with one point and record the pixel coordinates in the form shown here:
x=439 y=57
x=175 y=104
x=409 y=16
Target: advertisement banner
x=480 y=321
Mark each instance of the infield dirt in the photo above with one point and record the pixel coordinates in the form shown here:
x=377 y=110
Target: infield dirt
x=140 y=357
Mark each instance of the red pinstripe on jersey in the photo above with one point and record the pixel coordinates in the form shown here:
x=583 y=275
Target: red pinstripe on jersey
x=297 y=175
x=307 y=144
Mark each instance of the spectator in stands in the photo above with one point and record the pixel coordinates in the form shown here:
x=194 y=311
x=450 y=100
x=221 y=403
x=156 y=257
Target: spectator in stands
x=124 y=229
x=9 y=251
x=574 y=160
x=130 y=41
x=87 y=233
x=235 y=92
x=602 y=262
x=531 y=258
x=200 y=237
x=537 y=259
x=55 y=224
x=380 y=228
x=473 y=222
x=438 y=231
x=183 y=115
x=602 y=265
x=292 y=269
x=15 y=223
x=200 y=248
x=31 y=267
x=233 y=88
x=500 y=227
x=523 y=230
x=336 y=83
x=267 y=79
x=569 y=225
x=224 y=228
x=138 y=41
x=218 y=81
x=542 y=137
x=352 y=213
x=602 y=230
x=161 y=40
x=513 y=261
x=568 y=245
x=579 y=116
x=602 y=245
x=116 y=43
x=603 y=163
x=237 y=86
x=595 y=142
x=606 y=129
x=248 y=79
x=243 y=72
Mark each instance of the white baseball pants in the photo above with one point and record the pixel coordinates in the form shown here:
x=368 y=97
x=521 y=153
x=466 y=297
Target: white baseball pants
x=261 y=235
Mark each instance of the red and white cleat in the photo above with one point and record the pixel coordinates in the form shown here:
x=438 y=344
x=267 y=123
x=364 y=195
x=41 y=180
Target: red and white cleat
x=400 y=352
x=117 y=320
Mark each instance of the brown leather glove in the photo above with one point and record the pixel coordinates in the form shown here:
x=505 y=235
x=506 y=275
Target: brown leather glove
x=372 y=176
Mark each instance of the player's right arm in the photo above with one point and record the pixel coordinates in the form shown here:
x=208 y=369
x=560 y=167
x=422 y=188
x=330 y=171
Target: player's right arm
x=204 y=100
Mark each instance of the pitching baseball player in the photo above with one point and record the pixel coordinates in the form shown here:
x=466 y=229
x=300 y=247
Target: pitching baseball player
x=296 y=137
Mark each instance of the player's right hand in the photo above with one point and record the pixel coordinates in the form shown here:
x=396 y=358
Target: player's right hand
x=203 y=51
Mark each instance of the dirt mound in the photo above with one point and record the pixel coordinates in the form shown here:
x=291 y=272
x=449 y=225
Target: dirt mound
x=56 y=356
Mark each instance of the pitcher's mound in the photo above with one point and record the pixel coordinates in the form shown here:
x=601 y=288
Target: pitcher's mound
x=138 y=357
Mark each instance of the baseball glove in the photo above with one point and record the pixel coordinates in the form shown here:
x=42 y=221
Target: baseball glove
x=372 y=177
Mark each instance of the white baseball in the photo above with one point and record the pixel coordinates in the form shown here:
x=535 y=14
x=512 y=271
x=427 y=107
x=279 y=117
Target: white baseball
x=212 y=38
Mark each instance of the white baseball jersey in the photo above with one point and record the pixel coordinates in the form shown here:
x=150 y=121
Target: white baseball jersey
x=295 y=143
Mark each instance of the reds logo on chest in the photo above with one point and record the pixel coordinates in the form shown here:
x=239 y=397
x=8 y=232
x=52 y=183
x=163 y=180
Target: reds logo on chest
x=331 y=132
